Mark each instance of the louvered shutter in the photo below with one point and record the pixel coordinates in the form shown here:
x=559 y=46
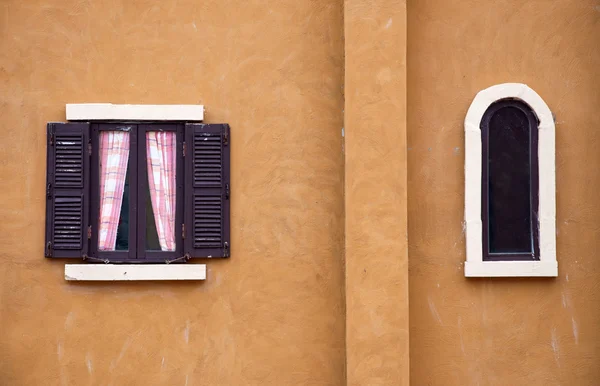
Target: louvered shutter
x=67 y=189
x=207 y=188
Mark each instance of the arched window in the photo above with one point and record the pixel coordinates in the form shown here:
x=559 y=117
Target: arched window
x=509 y=205
x=509 y=184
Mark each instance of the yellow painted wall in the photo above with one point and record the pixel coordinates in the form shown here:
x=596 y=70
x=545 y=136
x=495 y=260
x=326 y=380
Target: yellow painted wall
x=272 y=314
x=502 y=331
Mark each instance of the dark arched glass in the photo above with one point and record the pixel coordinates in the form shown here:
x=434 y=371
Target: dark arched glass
x=509 y=205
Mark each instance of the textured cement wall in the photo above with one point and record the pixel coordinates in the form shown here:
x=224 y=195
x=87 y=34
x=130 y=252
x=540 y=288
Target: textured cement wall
x=512 y=331
x=271 y=315
x=375 y=189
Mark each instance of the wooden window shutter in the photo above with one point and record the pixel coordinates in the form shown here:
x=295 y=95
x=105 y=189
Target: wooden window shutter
x=67 y=189
x=207 y=190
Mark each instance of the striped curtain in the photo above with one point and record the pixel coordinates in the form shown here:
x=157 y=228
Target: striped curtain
x=161 y=159
x=114 y=155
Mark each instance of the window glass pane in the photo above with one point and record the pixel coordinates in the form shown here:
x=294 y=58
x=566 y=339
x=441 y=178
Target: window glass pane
x=113 y=228
x=509 y=169
x=161 y=165
x=152 y=242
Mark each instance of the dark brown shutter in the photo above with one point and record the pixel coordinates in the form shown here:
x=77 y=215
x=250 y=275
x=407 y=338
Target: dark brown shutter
x=207 y=190
x=67 y=189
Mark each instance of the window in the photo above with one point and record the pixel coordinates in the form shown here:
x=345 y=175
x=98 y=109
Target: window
x=137 y=192
x=135 y=200
x=509 y=184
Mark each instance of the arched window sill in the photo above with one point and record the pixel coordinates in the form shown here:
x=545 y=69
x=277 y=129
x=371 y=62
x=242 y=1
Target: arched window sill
x=511 y=269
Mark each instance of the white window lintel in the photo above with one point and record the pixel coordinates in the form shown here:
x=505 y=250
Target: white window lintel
x=115 y=112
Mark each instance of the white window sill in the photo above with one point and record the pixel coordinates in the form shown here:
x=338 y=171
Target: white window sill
x=134 y=272
x=511 y=269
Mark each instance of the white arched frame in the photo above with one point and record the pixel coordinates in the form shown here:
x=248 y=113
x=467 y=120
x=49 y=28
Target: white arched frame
x=547 y=265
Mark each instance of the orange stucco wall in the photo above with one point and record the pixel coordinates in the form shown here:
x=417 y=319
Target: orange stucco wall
x=272 y=314
x=317 y=289
x=511 y=331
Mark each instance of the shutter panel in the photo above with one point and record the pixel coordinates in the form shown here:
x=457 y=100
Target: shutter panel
x=67 y=189
x=206 y=204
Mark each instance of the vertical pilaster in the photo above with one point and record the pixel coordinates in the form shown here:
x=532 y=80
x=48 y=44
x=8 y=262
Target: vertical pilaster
x=377 y=348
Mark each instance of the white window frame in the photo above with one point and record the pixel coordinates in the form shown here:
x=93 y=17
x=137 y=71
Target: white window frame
x=547 y=265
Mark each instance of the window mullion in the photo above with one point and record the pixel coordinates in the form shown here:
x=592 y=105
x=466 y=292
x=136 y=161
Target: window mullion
x=133 y=192
x=142 y=192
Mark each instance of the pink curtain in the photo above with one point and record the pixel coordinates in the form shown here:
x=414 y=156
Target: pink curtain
x=114 y=155
x=160 y=154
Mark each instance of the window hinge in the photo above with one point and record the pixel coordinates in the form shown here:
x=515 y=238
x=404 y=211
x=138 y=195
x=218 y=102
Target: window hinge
x=226 y=249
x=183 y=231
x=89 y=232
x=49 y=249
x=52 y=134
x=86 y=257
x=90 y=146
x=226 y=137
x=185 y=257
x=227 y=191
x=49 y=190
x=184 y=149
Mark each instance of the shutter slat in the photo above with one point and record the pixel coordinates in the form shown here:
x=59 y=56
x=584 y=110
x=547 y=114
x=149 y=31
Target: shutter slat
x=69 y=154
x=67 y=208
x=209 y=234
x=207 y=147
x=206 y=187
